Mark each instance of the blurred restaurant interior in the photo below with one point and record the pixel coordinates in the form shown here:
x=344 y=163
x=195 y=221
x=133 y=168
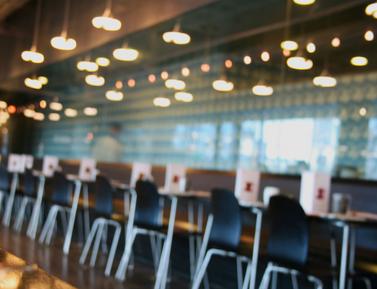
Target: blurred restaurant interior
x=188 y=144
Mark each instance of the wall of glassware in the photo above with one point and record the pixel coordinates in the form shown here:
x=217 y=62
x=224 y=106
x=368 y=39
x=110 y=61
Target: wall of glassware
x=299 y=127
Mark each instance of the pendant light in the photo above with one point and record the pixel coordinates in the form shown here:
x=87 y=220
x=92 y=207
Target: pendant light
x=359 y=61
x=176 y=36
x=126 y=54
x=299 y=62
x=62 y=42
x=95 y=80
x=33 y=55
x=87 y=65
x=222 y=85
x=304 y=2
x=175 y=84
x=106 y=21
x=114 y=95
x=262 y=89
x=161 y=101
x=371 y=10
x=183 y=96
x=325 y=80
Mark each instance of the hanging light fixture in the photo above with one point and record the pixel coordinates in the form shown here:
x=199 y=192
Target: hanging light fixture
x=325 y=80
x=126 y=54
x=265 y=56
x=161 y=102
x=70 y=112
x=299 y=62
x=33 y=55
x=371 y=10
x=335 y=42
x=183 y=96
x=94 y=80
x=359 y=61
x=39 y=116
x=28 y=112
x=262 y=89
x=369 y=35
x=222 y=85
x=176 y=36
x=311 y=47
x=86 y=65
x=176 y=84
x=62 y=42
x=103 y=61
x=54 y=116
x=3 y=104
x=33 y=83
x=304 y=2
x=55 y=105
x=90 y=111
x=289 y=45
x=114 y=95
x=106 y=21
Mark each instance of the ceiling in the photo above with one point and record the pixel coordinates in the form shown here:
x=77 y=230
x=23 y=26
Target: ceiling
x=233 y=28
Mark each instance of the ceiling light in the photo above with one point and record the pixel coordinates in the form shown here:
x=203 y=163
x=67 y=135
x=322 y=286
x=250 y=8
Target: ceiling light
x=43 y=79
x=63 y=43
x=42 y=104
x=114 y=95
x=70 y=112
x=161 y=102
x=152 y=78
x=185 y=71
x=371 y=9
x=363 y=111
x=222 y=85
x=86 y=65
x=32 y=56
x=205 y=67
x=247 y=59
x=131 y=82
x=54 y=116
x=335 y=42
x=126 y=54
x=94 y=80
x=90 y=111
x=369 y=35
x=359 y=61
x=164 y=75
x=176 y=36
x=56 y=106
x=107 y=23
x=289 y=45
x=118 y=84
x=3 y=104
x=39 y=116
x=262 y=90
x=183 y=96
x=33 y=83
x=103 y=61
x=28 y=112
x=175 y=84
x=324 y=80
x=311 y=47
x=299 y=63
x=265 y=56
x=228 y=63
x=304 y=2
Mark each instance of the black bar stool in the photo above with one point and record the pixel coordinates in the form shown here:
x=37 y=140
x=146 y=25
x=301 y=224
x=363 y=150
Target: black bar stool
x=103 y=210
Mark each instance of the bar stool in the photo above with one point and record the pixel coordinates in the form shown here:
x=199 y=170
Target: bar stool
x=4 y=186
x=60 y=203
x=147 y=221
x=287 y=248
x=27 y=194
x=222 y=235
x=103 y=209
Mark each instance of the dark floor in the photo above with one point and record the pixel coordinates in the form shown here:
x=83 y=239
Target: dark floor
x=52 y=260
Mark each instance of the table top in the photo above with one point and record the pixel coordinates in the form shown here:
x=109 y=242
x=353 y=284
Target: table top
x=15 y=273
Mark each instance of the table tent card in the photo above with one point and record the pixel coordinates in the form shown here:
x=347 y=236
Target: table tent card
x=175 y=178
x=140 y=171
x=29 y=161
x=247 y=185
x=50 y=165
x=88 y=171
x=16 y=163
x=315 y=192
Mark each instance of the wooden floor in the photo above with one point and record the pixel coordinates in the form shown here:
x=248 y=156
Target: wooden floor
x=51 y=259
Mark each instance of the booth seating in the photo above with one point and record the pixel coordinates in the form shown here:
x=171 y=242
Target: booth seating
x=102 y=210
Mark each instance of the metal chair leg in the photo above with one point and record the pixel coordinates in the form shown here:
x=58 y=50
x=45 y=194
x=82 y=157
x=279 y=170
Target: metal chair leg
x=97 y=242
x=88 y=242
x=266 y=277
x=317 y=283
x=21 y=215
x=294 y=281
x=239 y=273
x=203 y=268
x=122 y=269
x=46 y=227
x=114 y=245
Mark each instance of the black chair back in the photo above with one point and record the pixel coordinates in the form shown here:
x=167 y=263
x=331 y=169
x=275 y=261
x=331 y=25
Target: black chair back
x=148 y=213
x=29 y=183
x=4 y=180
x=289 y=232
x=62 y=190
x=103 y=196
x=227 y=220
